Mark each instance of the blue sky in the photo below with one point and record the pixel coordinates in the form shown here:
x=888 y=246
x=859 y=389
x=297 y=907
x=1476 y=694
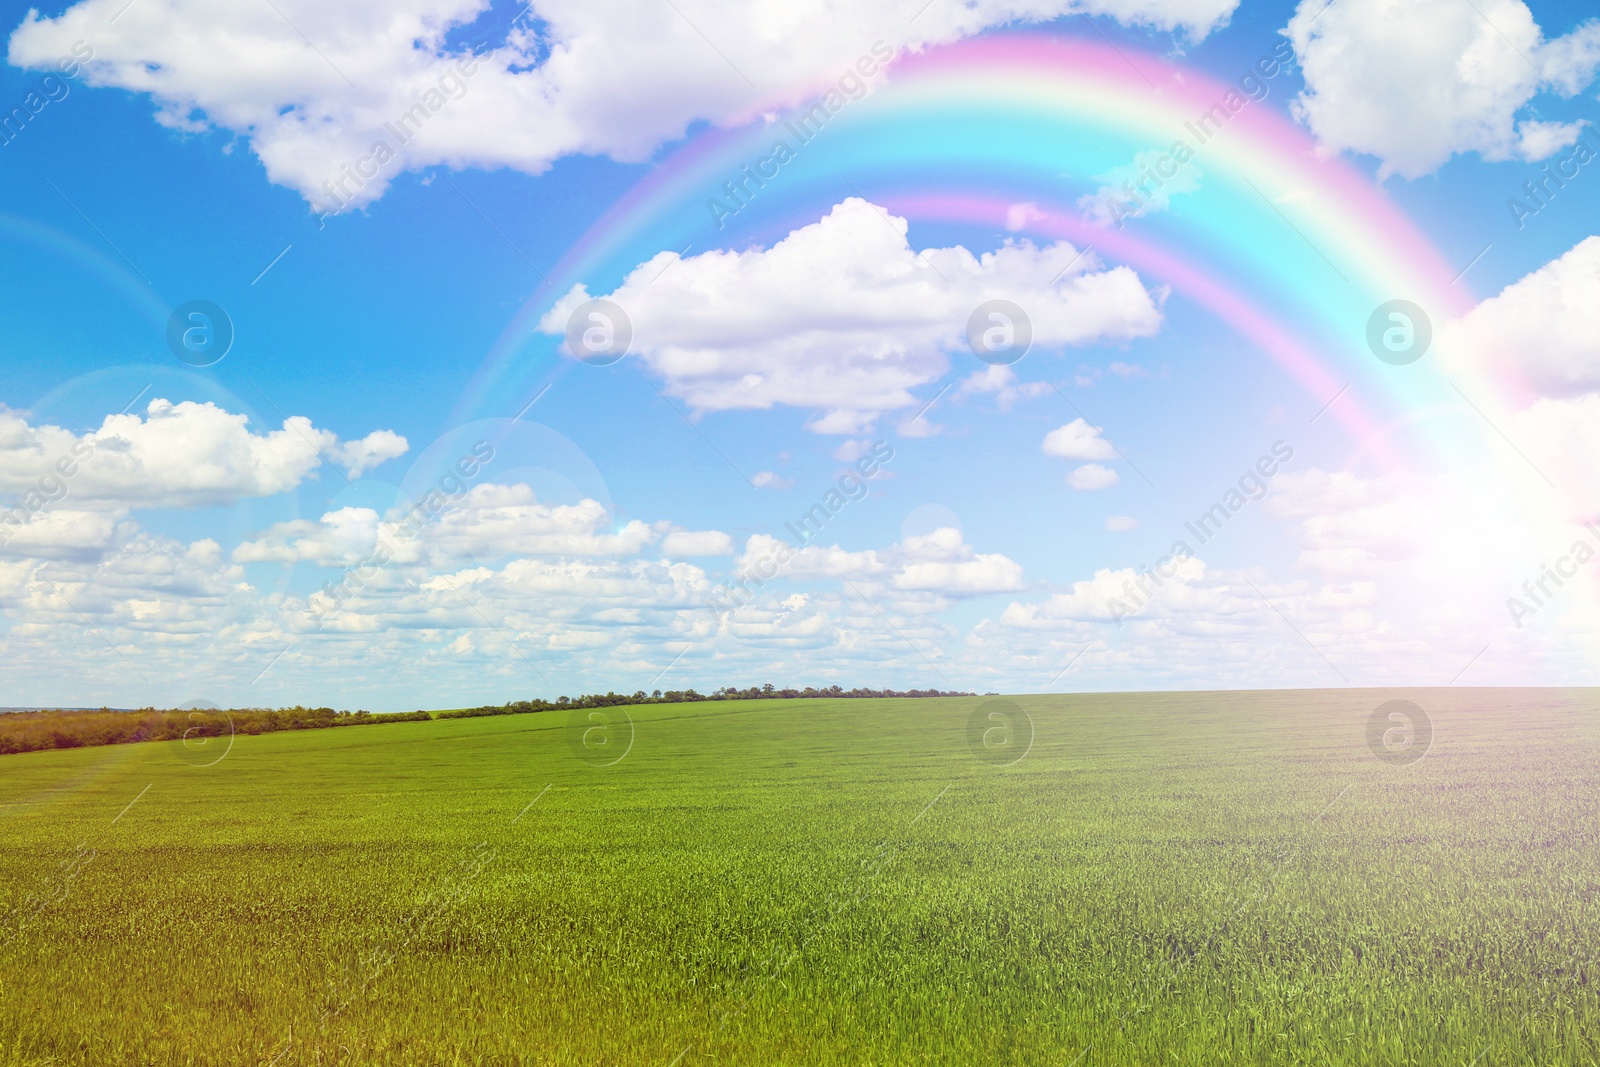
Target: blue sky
x=184 y=562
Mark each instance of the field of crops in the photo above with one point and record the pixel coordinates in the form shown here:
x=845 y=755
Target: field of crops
x=1217 y=878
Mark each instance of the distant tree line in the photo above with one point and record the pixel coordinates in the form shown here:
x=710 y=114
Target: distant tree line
x=685 y=696
x=30 y=731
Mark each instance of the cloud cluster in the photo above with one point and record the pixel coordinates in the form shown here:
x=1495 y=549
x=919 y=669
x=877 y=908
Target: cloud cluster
x=1536 y=345
x=877 y=319
x=1414 y=82
x=1352 y=525
x=489 y=522
x=175 y=455
x=1398 y=569
x=1001 y=381
x=940 y=563
x=315 y=87
x=1107 y=595
x=569 y=602
x=1078 y=440
x=1542 y=331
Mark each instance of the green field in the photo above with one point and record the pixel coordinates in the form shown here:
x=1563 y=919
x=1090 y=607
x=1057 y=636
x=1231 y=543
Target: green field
x=1197 y=879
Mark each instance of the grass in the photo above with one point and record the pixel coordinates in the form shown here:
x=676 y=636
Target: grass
x=1220 y=878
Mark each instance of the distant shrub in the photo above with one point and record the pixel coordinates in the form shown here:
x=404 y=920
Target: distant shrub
x=30 y=731
x=676 y=696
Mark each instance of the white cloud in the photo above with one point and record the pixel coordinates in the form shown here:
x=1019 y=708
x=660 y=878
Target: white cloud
x=340 y=538
x=1544 y=328
x=141 y=583
x=940 y=563
x=495 y=521
x=726 y=330
x=1019 y=216
x=177 y=455
x=55 y=533
x=850 y=451
x=375 y=449
x=811 y=562
x=1092 y=476
x=1443 y=548
x=1562 y=437
x=1351 y=524
x=173 y=608
x=1001 y=381
x=1110 y=594
x=612 y=77
x=630 y=585
x=488 y=522
x=770 y=480
x=1533 y=351
x=1464 y=71
x=1121 y=523
x=1185 y=620
x=1078 y=440
x=918 y=425
x=697 y=543
x=539 y=626
x=1541 y=140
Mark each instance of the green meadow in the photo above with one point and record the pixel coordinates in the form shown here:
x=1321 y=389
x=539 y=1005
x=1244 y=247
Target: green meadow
x=1192 y=878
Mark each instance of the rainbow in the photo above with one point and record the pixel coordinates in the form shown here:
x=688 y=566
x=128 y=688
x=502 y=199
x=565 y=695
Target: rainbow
x=1292 y=250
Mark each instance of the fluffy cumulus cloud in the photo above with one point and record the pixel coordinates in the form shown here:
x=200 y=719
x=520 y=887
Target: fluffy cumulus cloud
x=940 y=563
x=1181 y=619
x=681 y=543
x=1092 y=476
x=1078 y=440
x=1400 y=574
x=1113 y=595
x=1543 y=329
x=1466 y=72
x=1001 y=381
x=315 y=88
x=1443 y=546
x=488 y=522
x=770 y=480
x=150 y=588
x=1535 y=347
x=1227 y=628
x=573 y=600
x=1352 y=525
x=56 y=533
x=577 y=610
x=725 y=330
x=1437 y=562
x=493 y=587
x=357 y=457
x=174 y=455
x=496 y=521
